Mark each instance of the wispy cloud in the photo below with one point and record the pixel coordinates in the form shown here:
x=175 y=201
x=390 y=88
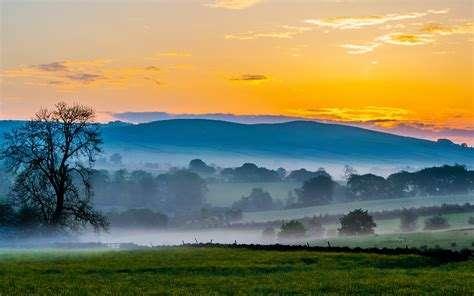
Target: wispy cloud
x=426 y=35
x=173 y=54
x=407 y=39
x=360 y=48
x=383 y=116
x=436 y=28
x=283 y=32
x=346 y=23
x=74 y=74
x=249 y=77
x=233 y=4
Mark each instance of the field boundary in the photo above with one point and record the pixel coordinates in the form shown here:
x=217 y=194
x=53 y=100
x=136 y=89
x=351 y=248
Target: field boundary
x=441 y=255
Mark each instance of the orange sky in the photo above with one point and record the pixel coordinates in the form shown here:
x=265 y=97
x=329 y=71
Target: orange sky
x=384 y=63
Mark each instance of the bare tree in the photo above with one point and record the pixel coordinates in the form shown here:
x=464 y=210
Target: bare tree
x=52 y=156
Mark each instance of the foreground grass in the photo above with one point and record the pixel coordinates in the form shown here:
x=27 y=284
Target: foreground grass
x=228 y=271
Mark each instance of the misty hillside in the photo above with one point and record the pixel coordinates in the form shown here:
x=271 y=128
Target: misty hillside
x=298 y=140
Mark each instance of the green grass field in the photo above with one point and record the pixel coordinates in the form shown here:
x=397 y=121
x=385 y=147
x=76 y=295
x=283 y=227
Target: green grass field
x=225 y=271
x=370 y=205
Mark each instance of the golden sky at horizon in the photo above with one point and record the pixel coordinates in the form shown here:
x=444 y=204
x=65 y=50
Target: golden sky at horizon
x=377 y=62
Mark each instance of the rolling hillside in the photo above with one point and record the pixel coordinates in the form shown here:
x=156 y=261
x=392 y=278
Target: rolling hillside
x=304 y=141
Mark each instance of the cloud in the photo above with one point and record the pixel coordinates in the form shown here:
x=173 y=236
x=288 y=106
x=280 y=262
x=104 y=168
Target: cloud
x=407 y=39
x=249 y=77
x=73 y=74
x=233 y=4
x=55 y=66
x=284 y=32
x=360 y=48
x=174 y=54
x=369 y=114
x=345 y=23
x=439 y=11
x=84 y=77
x=436 y=28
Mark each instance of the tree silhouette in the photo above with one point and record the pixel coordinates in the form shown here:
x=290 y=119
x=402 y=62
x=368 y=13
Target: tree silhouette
x=357 y=222
x=52 y=156
x=408 y=220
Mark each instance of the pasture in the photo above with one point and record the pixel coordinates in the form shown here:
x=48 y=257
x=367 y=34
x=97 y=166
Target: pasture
x=228 y=271
x=370 y=205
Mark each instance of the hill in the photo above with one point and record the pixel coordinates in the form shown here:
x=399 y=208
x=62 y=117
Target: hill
x=177 y=141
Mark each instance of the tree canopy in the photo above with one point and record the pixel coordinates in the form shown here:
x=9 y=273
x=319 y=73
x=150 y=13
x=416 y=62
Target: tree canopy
x=52 y=157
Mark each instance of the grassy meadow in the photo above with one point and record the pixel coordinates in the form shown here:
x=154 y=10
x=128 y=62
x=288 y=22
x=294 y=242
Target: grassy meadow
x=227 y=271
x=370 y=205
x=455 y=239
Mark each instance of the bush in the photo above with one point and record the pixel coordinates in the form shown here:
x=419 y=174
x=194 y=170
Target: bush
x=470 y=220
x=408 y=220
x=436 y=222
x=292 y=230
x=357 y=222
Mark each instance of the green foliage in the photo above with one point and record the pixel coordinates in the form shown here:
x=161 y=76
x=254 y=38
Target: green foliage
x=258 y=200
x=408 y=220
x=316 y=191
x=357 y=222
x=292 y=230
x=471 y=220
x=220 y=271
x=436 y=222
x=200 y=167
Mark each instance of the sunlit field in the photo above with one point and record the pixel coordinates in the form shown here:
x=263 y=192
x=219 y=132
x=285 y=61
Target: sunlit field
x=229 y=272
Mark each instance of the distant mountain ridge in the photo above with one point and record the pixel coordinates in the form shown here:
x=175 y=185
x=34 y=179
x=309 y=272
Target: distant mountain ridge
x=299 y=140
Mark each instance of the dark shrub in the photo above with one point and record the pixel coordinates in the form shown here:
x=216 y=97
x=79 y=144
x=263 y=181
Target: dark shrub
x=436 y=222
x=292 y=230
x=408 y=220
x=357 y=222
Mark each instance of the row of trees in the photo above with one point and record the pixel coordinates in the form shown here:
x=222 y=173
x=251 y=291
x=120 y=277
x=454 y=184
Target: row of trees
x=173 y=192
x=356 y=222
x=444 y=180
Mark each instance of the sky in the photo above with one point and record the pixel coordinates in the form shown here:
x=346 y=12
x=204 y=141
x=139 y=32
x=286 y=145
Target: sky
x=400 y=66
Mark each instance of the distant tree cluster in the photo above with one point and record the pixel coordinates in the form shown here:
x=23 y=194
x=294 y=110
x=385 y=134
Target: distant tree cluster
x=250 y=172
x=433 y=181
x=436 y=222
x=257 y=200
x=172 y=192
